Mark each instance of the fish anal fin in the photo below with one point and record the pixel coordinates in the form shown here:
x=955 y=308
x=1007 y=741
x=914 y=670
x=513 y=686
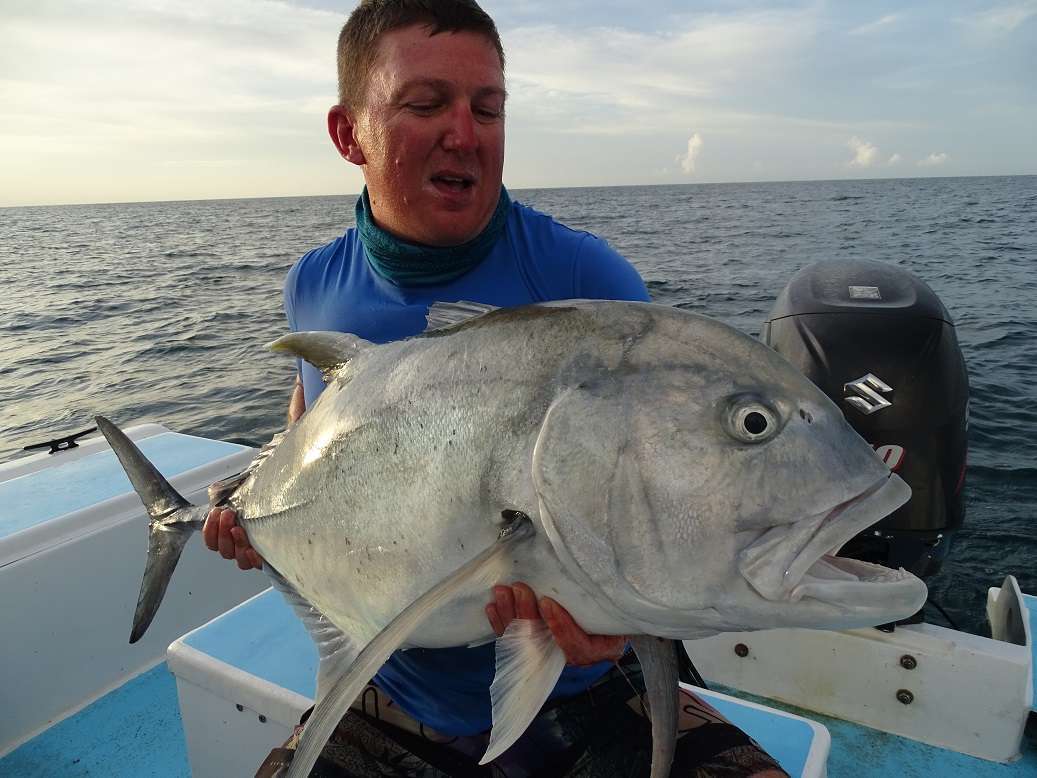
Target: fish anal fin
x=529 y=663
x=335 y=648
x=326 y=351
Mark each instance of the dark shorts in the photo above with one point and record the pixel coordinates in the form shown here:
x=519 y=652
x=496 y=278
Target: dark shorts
x=601 y=733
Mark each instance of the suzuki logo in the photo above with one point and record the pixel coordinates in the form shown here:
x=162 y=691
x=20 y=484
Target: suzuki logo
x=863 y=394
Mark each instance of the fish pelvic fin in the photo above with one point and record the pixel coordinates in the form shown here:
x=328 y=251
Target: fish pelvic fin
x=173 y=521
x=483 y=570
x=528 y=665
x=326 y=351
x=658 y=658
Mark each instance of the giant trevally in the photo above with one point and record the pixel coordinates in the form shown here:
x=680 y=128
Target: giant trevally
x=658 y=473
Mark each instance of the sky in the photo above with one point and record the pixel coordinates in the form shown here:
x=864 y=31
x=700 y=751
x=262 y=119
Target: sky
x=132 y=100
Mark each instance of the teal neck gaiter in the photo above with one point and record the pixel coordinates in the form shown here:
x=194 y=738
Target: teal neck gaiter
x=412 y=264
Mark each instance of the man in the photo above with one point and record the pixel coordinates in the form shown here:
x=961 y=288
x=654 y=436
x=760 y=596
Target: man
x=421 y=112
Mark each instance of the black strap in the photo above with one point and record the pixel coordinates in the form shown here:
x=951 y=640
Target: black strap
x=438 y=755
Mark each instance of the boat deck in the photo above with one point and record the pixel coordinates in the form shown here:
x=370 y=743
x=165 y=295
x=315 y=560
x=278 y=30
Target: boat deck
x=131 y=732
x=136 y=731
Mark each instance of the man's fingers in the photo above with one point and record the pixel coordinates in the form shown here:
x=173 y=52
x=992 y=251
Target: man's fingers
x=211 y=530
x=241 y=555
x=580 y=648
x=511 y=602
x=225 y=542
x=493 y=614
x=567 y=633
x=505 y=600
x=518 y=601
x=222 y=533
x=525 y=602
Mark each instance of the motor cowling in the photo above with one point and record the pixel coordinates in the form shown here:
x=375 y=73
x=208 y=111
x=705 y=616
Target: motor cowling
x=880 y=343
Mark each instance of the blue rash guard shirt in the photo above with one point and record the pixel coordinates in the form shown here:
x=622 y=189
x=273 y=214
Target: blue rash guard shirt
x=535 y=260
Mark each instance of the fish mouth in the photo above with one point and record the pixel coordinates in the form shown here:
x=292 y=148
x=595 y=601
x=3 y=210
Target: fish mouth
x=796 y=561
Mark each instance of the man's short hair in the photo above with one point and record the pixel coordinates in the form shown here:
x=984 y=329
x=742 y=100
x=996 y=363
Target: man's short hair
x=358 y=41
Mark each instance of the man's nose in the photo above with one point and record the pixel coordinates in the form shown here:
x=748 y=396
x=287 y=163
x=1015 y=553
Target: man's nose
x=461 y=135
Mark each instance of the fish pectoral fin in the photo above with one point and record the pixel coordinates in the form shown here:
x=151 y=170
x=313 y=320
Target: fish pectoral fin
x=658 y=658
x=529 y=663
x=336 y=649
x=326 y=351
x=484 y=570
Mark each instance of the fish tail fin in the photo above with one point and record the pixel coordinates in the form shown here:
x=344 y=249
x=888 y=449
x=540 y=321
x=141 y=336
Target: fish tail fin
x=173 y=521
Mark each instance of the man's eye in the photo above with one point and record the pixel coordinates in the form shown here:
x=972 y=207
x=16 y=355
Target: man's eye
x=489 y=114
x=422 y=107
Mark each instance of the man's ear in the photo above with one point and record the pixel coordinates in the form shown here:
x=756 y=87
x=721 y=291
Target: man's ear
x=342 y=129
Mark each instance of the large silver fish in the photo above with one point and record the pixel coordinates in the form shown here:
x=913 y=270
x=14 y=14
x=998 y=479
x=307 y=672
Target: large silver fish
x=658 y=473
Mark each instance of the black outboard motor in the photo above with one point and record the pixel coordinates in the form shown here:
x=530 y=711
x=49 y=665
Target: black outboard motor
x=880 y=343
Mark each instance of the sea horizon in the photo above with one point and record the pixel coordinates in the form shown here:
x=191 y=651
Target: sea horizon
x=776 y=181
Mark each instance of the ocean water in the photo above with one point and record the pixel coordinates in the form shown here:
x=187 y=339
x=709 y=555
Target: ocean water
x=158 y=311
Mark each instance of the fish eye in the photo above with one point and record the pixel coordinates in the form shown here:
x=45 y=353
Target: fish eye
x=751 y=421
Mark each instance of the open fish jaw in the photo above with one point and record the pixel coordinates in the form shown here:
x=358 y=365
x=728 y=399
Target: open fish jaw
x=793 y=562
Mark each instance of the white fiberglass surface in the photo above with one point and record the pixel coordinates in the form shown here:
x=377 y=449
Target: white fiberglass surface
x=37 y=497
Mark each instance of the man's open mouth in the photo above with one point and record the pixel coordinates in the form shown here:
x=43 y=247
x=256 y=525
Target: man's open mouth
x=453 y=182
x=793 y=561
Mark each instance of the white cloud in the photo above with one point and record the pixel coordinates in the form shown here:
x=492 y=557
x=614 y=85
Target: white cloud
x=875 y=26
x=606 y=80
x=864 y=154
x=934 y=159
x=688 y=159
x=1002 y=19
x=895 y=159
x=160 y=86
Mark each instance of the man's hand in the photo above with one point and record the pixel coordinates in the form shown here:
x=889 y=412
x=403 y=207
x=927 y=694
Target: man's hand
x=297 y=402
x=518 y=602
x=222 y=533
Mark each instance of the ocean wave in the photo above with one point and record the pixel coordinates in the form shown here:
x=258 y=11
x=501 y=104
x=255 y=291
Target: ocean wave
x=182 y=254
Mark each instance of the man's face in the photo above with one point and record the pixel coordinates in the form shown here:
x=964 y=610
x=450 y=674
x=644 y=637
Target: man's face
x=431 y=134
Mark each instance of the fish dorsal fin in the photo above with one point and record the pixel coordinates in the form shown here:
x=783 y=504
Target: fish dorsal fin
x=529 y=663
x=334 y=647
x=484 y=570
x=326 y=351
x=658 y=659
x=443 y=315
